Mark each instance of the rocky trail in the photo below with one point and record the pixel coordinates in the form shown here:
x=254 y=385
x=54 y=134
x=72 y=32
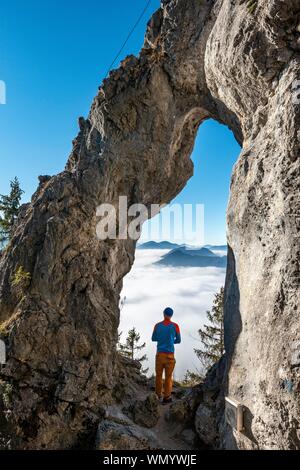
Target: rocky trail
x=141 y=421
x=170 y=436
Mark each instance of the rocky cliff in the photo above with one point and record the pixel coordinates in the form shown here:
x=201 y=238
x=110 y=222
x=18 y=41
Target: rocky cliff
x=233 y=61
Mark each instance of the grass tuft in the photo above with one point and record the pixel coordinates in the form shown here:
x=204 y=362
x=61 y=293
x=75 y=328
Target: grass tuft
x=21 y=281
x=251 y=6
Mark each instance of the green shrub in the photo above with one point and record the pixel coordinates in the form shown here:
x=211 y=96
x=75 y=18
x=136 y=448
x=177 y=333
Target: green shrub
x=21 y=281
x=251 y=6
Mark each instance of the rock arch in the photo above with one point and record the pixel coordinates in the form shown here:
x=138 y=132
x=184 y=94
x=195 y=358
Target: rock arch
x=200 y=59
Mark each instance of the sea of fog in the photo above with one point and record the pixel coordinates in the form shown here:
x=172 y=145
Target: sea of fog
x=149 y=288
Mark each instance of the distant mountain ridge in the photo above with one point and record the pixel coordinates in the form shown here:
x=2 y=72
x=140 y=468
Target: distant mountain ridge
x=186 y=257
x=195 y=251
x=216 y=247
x=164 y=245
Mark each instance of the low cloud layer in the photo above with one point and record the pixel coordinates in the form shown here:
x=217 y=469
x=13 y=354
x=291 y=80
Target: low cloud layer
x=149 y=288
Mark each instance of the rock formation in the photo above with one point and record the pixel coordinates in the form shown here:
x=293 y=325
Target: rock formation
x=233 y=61
x=139 y=421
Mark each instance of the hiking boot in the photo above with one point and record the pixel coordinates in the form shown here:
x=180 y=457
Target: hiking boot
x=167 y=400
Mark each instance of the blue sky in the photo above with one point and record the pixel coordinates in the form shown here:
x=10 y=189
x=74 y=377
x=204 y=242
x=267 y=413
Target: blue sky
x=53 y=58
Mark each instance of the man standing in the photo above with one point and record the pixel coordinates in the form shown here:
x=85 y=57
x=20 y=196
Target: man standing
x=166 y=334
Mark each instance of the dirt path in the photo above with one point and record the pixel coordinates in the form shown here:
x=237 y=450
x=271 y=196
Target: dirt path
x=168 y=433
x=140 y=421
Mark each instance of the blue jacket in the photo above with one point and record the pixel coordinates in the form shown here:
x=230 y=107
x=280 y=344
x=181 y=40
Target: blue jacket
x=166 y=333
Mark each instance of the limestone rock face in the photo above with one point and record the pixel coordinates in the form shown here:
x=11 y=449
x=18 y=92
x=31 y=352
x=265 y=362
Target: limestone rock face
x=201 y=59
x=209 y=415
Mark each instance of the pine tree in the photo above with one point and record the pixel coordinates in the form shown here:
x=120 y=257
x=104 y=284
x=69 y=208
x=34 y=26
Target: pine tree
x=192 y=378
x=132 y=345
x=9 y=206
x=212 y=335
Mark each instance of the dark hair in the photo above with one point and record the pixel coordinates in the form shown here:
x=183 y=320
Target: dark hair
x=168 y=311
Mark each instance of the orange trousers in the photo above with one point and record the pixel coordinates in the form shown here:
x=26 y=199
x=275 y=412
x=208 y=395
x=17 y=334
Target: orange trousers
x=164 y=362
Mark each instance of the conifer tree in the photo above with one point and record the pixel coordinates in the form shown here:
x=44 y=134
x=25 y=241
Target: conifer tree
x=132 y=346
x=192 y=378
x=9 y=207
x=212 y=335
